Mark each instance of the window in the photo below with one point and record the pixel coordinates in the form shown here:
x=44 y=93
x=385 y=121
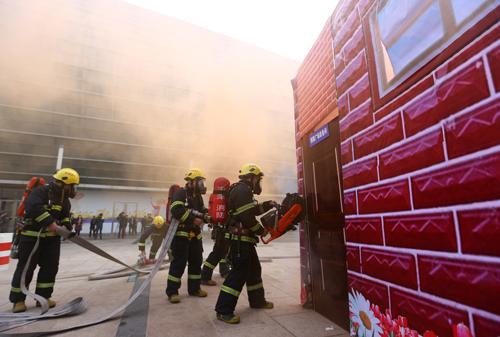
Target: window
x=407 y=34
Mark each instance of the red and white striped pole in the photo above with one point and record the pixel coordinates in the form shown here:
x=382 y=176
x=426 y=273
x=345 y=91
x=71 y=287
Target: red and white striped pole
x=5 y=246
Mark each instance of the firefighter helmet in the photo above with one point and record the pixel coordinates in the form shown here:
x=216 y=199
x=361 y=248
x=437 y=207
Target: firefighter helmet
x=194 y=173
x=158 y=221
x=248 y=169
x=68 y=176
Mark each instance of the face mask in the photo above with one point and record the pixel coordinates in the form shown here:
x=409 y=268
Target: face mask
x=257 y=188
x=70 y=191
x=200 y=187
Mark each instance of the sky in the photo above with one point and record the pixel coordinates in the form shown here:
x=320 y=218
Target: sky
x=286 y=27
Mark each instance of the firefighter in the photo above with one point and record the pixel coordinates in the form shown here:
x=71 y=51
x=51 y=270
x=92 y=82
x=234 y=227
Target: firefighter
x=217 y=209
x=244 y=229
x=158 y=231
x=187 y=247
x=47 y=207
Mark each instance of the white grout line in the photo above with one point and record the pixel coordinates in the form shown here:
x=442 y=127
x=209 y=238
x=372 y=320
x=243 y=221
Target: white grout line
x=435 y=167
x=410 y=191
x=402 y=123
x=457 y=232
x=432 y=253
x=471 y=322
x=417 y=271
x=444 y=143
x=357 y=202
x=489 y=78
x=383 y=231
x=427 y=296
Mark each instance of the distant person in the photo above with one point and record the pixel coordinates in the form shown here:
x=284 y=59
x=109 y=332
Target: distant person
x=122 y=221
x=92 y=226
x=146 y=222
x=99 y=223
x=77 y=225
x=132 y=229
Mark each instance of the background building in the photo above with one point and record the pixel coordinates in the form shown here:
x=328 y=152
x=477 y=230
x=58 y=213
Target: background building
x=396 y=110
x=134 y=98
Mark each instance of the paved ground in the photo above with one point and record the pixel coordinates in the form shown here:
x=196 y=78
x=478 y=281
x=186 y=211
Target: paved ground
x=154 y=316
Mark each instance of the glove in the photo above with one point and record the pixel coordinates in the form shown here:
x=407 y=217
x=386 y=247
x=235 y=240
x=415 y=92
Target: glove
x=207 y=218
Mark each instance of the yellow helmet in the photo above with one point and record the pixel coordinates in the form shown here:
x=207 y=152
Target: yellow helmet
x=67 y=176
x=250 y=169
x=194 y=173
x=158 y=221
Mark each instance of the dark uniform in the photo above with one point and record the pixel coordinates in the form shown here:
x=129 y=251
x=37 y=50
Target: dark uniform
x=187 y=246
x=246 y=268
x=218 y=255
x=157 y=236
x=42 y=209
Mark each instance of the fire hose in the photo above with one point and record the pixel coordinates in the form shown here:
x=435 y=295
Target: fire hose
x=10 y=321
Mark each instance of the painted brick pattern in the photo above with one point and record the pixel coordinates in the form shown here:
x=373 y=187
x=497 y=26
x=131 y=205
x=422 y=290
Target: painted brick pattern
x=437 y=145
x=421 y=177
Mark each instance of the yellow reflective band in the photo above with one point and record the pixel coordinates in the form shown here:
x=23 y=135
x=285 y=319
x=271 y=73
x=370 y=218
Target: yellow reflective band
x=183 y=234
x=230 y=291
x=57 y=207
x=65 y=220
x=227 y=236
x=244 y=238
x=42 y=217
x=222 y=261
x=174 y=279
x=45 y=285
x=194 y=277
x=255 y=286
x=244 y=208
x=176 y=203
x=15 y=290
x=255 y=228
x=184 y=216
x=140 y=244
x=209 y=265
x=35 y=234
x=199 y=236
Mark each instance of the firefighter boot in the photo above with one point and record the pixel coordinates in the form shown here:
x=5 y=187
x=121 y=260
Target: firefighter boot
x=199 y=293
x=175 y=298
x=230 y=318
x=51 y=303
x=19 y=307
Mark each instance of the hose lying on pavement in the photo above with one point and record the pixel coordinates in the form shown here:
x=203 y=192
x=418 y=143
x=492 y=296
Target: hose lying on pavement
x=123 y=272
x=9 y=321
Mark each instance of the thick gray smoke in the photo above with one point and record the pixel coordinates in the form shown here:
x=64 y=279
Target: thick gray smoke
x=183 y=96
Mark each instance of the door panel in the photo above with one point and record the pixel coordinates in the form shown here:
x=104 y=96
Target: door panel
x=325 y=225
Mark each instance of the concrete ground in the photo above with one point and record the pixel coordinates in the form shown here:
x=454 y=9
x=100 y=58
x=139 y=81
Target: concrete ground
x=154 y=316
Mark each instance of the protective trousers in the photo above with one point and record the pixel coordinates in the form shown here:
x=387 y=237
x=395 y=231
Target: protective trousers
x=157 y=240
x=245 y=269
x=185 y=250
x=47 y=257
x=218 y=255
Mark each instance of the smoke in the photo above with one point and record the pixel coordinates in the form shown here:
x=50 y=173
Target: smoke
x=158 y=95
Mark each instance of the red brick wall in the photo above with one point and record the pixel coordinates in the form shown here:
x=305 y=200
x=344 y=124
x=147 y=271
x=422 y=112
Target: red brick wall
x=422 y=183
x=421 y=179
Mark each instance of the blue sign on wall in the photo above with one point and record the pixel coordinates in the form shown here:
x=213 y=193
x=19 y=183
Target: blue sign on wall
x=319 y=135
